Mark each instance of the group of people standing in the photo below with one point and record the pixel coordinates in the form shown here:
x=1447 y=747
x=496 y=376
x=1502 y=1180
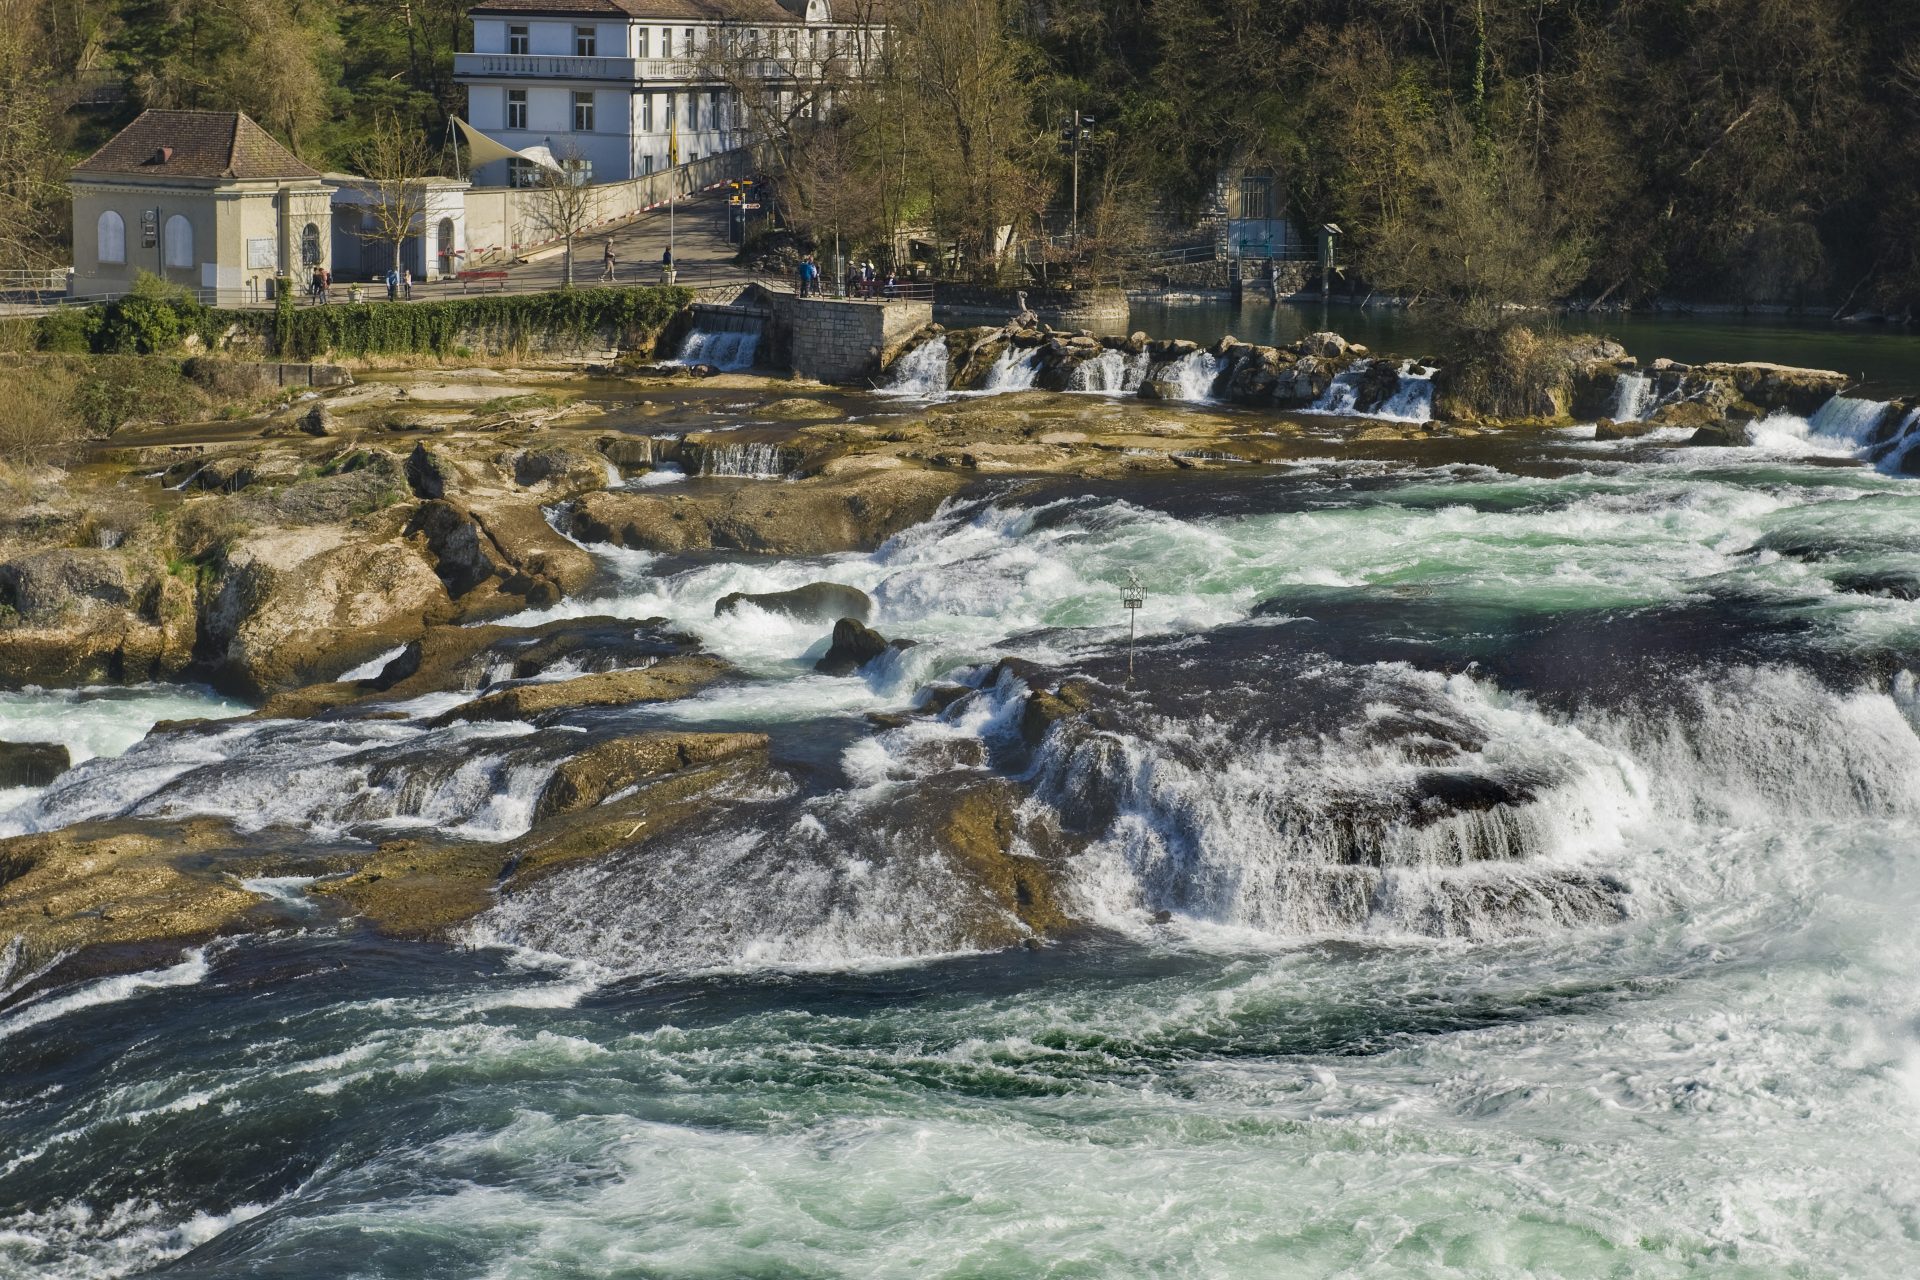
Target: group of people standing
x=399 y=285
x=862 y=281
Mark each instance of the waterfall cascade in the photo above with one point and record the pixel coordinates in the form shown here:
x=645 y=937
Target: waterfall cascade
x=1849 y=420
x=924 y=372
x=726 y=349
x=1633 y=398
x=756 y=459
x=1411 y=401
x=1014 y=370
x=1111 y=372
x=1192 y=376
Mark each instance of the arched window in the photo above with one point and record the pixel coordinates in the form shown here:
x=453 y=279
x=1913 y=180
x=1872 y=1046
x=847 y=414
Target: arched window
x=310 y=245
x=113 y=239
x=179 y=242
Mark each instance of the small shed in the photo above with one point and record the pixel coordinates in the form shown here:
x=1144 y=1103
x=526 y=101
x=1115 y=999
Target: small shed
x=204 y=199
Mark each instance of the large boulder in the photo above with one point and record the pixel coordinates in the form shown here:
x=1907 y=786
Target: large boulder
x=297 y=605
x=500 y=557
x=32 y=764
x=1325 y=344
x=598 y=772
x=854 y=646
x=1768 y=387
x=663 y=681
x=72 y=616
x=821 y=602
x=848 y=511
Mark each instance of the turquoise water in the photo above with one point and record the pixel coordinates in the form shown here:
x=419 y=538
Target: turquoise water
x=1650 y=1013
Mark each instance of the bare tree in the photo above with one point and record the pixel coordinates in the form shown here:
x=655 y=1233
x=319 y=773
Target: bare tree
x=396 y=160
x=565 y=201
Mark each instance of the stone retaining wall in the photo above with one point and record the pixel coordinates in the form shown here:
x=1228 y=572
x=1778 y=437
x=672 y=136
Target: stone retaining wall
x=1064 y=308
x=840 y=340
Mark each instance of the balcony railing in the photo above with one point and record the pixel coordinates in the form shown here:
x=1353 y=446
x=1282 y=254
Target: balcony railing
x=551 y=66
x=547 y=66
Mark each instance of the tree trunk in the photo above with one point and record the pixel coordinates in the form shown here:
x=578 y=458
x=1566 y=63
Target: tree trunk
x=567 y=281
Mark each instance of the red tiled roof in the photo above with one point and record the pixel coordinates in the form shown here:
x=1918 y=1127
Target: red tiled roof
x=194 y=144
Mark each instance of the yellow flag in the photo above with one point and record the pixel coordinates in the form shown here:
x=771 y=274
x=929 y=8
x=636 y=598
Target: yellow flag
x=673 y=137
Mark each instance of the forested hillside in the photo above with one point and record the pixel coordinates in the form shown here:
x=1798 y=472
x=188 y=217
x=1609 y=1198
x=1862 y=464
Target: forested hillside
x=1736 y=150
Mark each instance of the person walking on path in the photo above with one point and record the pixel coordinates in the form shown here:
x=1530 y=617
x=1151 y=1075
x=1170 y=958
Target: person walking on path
x=316 y=286
x=393 y=284
x=326 y=285
x=607 y=262
x=666 y=265
x=406 y=284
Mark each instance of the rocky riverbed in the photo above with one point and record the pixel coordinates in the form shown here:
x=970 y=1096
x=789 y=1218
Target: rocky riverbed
x=426 y=550
x=498 y=822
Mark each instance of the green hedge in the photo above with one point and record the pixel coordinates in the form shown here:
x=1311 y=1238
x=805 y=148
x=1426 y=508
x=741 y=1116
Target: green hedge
x=147 y=324
x=436 y=328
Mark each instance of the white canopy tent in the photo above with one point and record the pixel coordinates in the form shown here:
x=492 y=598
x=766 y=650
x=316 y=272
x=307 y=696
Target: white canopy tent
x=484 y=150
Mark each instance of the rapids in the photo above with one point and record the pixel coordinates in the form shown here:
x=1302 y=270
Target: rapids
x=1492 y=868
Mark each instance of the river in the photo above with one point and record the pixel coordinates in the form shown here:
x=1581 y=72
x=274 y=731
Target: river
x=1502 y=864
x=1884 y=358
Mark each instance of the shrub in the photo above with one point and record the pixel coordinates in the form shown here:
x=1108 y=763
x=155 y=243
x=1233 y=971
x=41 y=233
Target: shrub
x=69 y=330
x=38 y=427
x=229 y=379
x=114 y=390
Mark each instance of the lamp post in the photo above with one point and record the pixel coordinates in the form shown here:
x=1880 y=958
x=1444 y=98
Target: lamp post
x=1131 y=602
x=1078 y=132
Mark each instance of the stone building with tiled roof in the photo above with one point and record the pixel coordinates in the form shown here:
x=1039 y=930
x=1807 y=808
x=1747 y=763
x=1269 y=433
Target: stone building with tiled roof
x=205 y=199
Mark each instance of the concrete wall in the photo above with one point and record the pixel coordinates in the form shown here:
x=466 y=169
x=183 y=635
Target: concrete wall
x=840 y=340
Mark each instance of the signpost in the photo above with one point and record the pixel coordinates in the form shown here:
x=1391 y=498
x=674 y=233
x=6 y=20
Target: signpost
x=1131 y=602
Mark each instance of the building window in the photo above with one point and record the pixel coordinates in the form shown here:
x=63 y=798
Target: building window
x=517 y=41
x=113 y=239
x=516 y=108
x=179 y=242
x=693 y=112
x=646 y=164
x=523 y=173
x=646 y=113
x=715 y=110
x=666 y=42
x=310 y=245
x=584 y=42
x=646 y=43
x=1256 y=197
x=583 y=112
x=686 y=42
x=579 y=171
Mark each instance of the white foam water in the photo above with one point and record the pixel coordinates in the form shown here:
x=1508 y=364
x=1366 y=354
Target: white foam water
x=1192 y=376
x=1411 y=401
x=758 y=460
x=1110 y=373
x=923 y=373
x=730 y=350
x=1633 y=398
x=1013 y=370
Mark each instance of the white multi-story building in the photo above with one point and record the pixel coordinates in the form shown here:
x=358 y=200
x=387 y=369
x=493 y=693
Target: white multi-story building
x=615 y=85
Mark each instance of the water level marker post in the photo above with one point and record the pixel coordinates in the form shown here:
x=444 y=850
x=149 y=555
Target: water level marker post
x=1131 y=602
